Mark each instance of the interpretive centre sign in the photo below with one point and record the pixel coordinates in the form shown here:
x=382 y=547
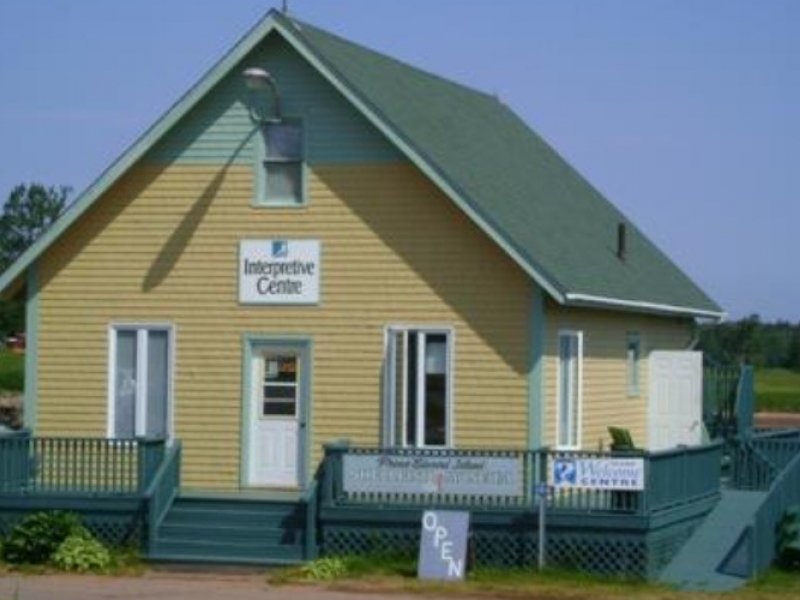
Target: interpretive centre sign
x=461 y=475
x=279 y=271
x=599 y=473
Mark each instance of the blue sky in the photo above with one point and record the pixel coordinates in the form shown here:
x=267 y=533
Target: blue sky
x=684 y=113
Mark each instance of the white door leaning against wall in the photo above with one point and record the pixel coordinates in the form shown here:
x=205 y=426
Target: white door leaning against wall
x=275 y=418
x=676 y=399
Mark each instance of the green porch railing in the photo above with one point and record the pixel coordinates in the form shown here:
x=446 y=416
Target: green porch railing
x=62 y=466
x=783 y=493
x=673 y=478
x=728 y=400
x=756 y=460
x=682 y=475
x=162 y=490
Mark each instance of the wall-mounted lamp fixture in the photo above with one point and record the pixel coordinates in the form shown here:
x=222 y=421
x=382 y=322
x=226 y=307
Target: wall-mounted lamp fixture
x=257 y=79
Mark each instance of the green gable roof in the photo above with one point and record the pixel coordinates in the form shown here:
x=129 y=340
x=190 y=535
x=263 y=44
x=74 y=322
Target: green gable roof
x=543 y=209
x=549 y=219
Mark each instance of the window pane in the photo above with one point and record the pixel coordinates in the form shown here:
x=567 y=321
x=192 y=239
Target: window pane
x=157 y=383
x=633 y=364
x=125 y=385
x=435 y=390
x=284 y=181
x=399 y=438
x=568 y=382
x=284 y=141
x=411 y=385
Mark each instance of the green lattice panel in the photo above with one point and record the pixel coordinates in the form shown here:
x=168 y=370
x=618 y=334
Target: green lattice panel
x=342 y=541
x=596 y=553
x=605 y=554
x=509 y=549
x=115 y=530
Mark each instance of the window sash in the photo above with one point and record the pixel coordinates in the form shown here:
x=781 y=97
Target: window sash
x=141 y=376
x=418 y=388
x=570 y=366
x=282 y=165
x=633 y=359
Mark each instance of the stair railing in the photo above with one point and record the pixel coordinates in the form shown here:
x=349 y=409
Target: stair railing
x=162 y=491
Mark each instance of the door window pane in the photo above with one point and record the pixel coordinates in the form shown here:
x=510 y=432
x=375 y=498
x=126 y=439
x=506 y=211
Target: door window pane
x=281 y=388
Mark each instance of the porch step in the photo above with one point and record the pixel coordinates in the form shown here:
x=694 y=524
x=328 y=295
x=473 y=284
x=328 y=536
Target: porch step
x=231 y=530
x=697 y=566
x=219 y=552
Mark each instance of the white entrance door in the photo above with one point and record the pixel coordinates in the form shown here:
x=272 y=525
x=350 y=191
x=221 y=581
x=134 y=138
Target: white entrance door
x=676 y=399
x=275 y=417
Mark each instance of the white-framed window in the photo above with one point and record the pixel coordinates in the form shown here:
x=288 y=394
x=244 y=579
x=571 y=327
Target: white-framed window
x=140 y=381
x=418 y=403
x=633 y=354
x=570 y=389
x=280 y=172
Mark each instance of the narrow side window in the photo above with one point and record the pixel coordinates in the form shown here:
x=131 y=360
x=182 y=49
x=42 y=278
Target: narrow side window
x=633 y=345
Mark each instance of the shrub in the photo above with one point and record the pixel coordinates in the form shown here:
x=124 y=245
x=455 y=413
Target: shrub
x=81 y=552
x=34 y=539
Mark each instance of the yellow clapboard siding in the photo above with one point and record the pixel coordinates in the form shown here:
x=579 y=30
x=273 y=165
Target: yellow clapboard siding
x=605 y=386
x=158 y=249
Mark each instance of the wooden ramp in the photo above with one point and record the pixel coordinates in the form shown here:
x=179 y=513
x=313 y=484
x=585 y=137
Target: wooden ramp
x=714 y=558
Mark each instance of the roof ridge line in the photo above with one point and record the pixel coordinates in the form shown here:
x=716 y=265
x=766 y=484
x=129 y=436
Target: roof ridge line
x=297 y=25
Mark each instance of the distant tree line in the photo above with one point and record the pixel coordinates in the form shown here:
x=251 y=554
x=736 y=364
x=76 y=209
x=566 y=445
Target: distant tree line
x=771 y=345
x=27 y=213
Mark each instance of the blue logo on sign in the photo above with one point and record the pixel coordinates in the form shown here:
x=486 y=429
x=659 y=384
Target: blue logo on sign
x=280 y=249
x=564 y=472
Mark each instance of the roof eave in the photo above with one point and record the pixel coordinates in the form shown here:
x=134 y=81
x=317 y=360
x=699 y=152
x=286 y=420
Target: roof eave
x=591 y=301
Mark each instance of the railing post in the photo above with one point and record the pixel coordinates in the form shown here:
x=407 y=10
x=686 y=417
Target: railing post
x=15 y=460
x=745 y=400
x=332 y=472
x=151 y=453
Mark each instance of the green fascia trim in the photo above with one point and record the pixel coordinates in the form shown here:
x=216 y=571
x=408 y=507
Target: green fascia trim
x=450 y=188
x=536 y=399
x=141 y=146
x=32 y=348
x=306 y=344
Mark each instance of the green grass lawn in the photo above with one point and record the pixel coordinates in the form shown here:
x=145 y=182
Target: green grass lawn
x=377 y=575
x=777 y=390
x=12 y=371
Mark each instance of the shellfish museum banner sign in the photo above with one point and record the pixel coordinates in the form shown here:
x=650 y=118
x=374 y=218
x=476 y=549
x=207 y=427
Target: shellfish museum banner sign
x=279 y=271
x=599 y=473
x=462 y=475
